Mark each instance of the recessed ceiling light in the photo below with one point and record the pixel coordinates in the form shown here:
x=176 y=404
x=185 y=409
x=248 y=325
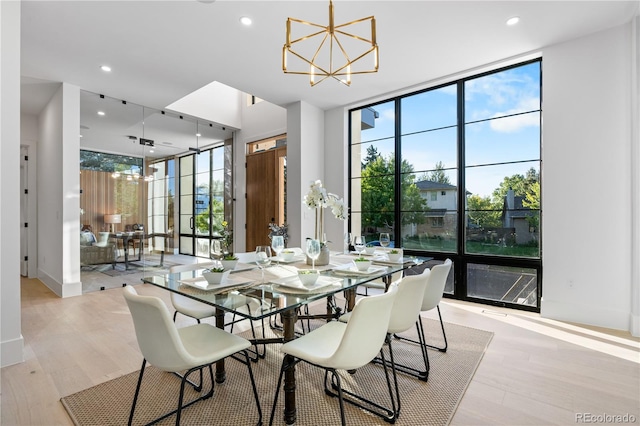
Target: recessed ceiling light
x=513 y=21
x=105 y=68
x=100 y=112
x=245 y=20
x=198 y=134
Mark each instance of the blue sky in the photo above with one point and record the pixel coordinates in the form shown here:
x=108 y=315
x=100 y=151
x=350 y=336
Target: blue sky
x=430 y=135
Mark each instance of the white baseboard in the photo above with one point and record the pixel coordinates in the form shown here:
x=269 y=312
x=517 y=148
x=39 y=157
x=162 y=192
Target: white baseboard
x=11 y=352
x=62 y=290
x=588 y=315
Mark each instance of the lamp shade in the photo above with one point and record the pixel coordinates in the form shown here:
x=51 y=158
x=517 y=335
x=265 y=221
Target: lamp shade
x=112 y=218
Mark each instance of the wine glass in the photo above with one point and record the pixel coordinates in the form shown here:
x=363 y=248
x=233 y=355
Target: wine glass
x=277 y=244
x=359 y=242
x=384 y=239
x=313 y=251
x=263 y=258
x=347 y=242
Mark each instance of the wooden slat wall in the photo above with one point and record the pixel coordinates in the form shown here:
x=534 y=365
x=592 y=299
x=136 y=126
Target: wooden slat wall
x=103 y=194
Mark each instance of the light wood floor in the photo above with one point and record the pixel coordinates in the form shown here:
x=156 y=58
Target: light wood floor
x=535 y=371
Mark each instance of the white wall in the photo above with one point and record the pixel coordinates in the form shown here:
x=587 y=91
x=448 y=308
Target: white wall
x=336 y=171
x=29 y=139
x=635 y=173
x=305 y=164
x=586 y=175
x=260 y=121
x=58 y=190
x=11 y=340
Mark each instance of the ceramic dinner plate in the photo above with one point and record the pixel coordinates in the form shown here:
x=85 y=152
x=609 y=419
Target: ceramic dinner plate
x=292 y=284
x=295 y=259
x=202 y=284
x=349 y=269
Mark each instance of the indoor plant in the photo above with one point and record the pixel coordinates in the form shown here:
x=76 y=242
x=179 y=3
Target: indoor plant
x=361 y=263
x=215 y=275
x=318 y=199
x=228 y=260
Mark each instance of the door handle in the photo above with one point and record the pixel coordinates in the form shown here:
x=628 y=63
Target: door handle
x=191 y=222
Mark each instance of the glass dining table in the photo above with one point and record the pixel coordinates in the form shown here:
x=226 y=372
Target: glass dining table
x=281 y=293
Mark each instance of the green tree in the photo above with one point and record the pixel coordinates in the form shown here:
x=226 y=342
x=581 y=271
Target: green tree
x=532 y=201
x=483 y=212
x=439 y=175
x=378 y=194
x=372 y=155
x=519 y=183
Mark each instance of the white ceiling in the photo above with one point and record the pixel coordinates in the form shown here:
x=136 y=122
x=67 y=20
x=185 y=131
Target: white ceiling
x=160 y=51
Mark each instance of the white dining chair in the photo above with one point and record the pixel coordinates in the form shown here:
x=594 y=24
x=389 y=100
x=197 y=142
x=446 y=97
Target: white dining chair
x=404 y=314
x=345 y=346
x=173 y=349
x=198 y=310
x=378 y=283
x=432 y=296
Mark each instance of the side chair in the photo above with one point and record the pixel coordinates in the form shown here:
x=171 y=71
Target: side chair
x=345 y=346
x=198 y=310
x=404 y=314
x=175 y=349
x=431 y=299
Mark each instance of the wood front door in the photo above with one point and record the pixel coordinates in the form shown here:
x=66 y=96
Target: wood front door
x=265 y=194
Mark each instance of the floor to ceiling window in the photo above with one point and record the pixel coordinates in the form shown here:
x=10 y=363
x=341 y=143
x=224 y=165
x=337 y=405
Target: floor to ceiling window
x=454 y=172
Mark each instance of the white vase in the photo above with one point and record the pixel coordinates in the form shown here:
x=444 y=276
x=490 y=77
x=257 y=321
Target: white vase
x=323 y=259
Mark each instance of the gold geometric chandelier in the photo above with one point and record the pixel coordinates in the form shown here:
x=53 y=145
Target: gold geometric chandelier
x=329 y=58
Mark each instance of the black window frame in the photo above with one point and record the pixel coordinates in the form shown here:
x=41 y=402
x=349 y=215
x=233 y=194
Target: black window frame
x=460 y=258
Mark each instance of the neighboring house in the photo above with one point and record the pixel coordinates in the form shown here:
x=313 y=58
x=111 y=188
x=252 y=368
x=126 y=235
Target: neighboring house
x=517 y=216
x=442 y=200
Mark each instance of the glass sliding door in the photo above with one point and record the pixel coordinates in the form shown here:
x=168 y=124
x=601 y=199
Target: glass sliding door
x=202 y=195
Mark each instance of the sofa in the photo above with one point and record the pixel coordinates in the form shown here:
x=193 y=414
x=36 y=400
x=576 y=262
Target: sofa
x=96 y=252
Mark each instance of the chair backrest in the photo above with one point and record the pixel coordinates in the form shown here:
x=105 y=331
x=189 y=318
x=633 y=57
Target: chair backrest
x=246 y=257
x=157 y=335
x=435 y=287
x=408 y=303
x=366 y=331
x=104 y=239
x=178 y=299
x=190 y=267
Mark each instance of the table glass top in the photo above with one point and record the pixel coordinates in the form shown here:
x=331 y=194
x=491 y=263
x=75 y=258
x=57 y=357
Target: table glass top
x=282 y=289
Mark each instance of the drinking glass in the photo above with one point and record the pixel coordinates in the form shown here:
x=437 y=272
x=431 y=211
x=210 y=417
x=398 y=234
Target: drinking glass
x=277 y=244
x=384 y=239
x=359 y=242
x=263 y=258
x=347 y=242
x=313 y=251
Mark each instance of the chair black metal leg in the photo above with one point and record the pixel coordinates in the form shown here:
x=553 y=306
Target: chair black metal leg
x=340 y=393
x=253 y=385
x=135 y=396
x=283 y=367
x=444 y=334
x=388 y=415
x=420 y=374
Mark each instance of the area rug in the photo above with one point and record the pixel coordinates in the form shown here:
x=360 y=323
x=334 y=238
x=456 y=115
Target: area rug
x=423 y=403
x=135 y=267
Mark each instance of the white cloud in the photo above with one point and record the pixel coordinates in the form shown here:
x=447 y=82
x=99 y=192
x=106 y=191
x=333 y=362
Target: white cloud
x=388 y=114
x=514 y=123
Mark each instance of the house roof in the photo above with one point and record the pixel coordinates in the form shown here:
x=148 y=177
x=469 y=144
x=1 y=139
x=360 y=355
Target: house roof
x=428 y=185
